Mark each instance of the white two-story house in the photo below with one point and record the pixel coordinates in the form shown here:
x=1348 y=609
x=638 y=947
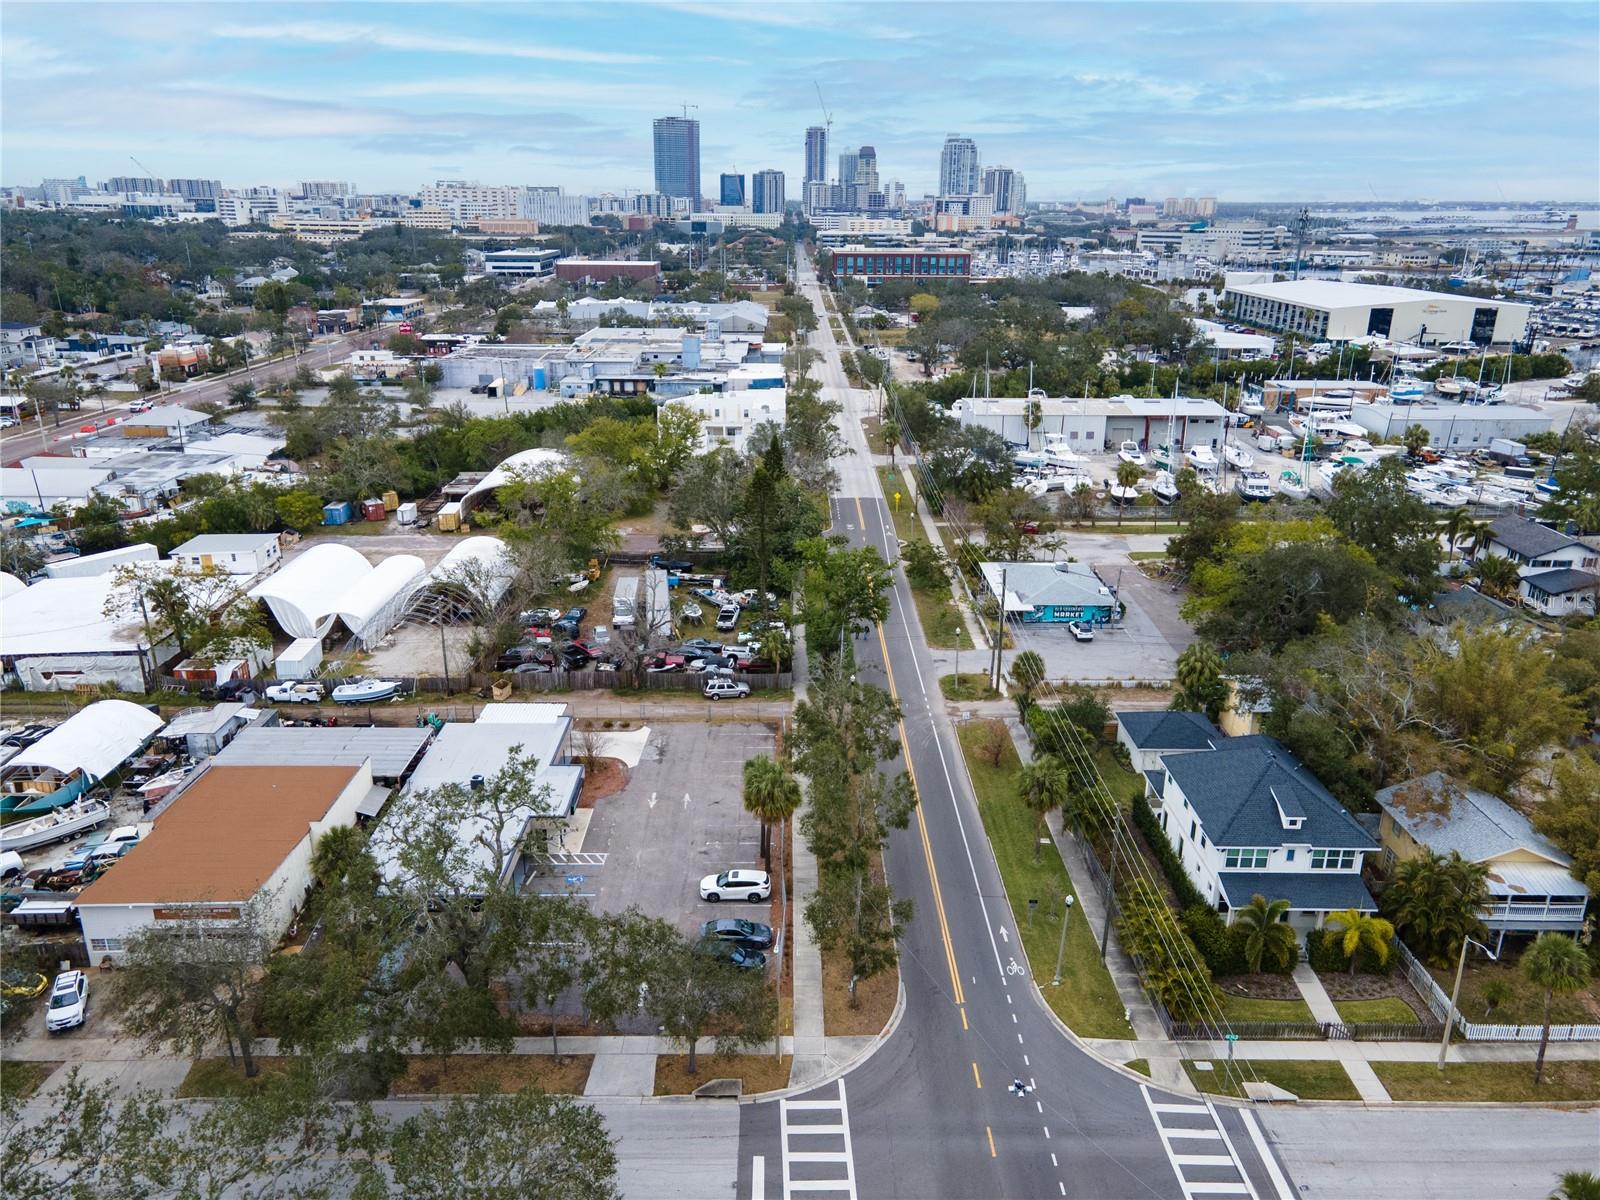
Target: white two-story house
x=1247 y=817
x=1560 y=573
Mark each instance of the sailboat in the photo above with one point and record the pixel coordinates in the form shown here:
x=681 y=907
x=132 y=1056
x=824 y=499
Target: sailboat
x=1238 y=457
x=1291 y=485
x=1164 y=488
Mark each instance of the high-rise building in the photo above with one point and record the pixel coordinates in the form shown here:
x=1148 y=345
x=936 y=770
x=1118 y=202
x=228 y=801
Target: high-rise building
x=196 y=189
x=677 y=145
x=1007 y=188
x=135 y=183
x=467 y=201
x=325 y=189
x=849 y=164
x=816 y=154
x=867 y=169
x=958 y=167
x=766 y=190
x=733 y=190
x=64 y=191
x=1206 y=207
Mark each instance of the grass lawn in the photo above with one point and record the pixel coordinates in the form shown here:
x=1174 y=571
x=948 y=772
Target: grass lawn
x=1145 y=555
x=1391 y=1009
x=760 y=1072
x=19 y=1080
x=1247 y=1008
x=466 y=1073
x=1523 y=1003
x=1310 y=1079
x=1497 y=1081
x=967 y=686
x=1087 y=1000
x=1123 y=781
x=219 y=1077
x=356 y=528
x=1141 y=1065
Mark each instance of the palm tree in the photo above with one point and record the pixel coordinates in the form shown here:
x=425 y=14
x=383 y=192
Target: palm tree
x=1044 y=786
x=1577 y=1185
x=1359 y=930
x=1200 y=683
x=1498 y=576
x=1459 y=525
x=1434 y=902
x=1127 y=476
x=1555 y=963
x=1477 y=539
x=889 y=433
x=771 y=794
x=1033 y=416
x=1266 y=933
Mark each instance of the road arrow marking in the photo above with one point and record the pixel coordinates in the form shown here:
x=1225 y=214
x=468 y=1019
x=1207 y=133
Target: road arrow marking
x=1004 y=936
x=686 y=802
x=652 y=799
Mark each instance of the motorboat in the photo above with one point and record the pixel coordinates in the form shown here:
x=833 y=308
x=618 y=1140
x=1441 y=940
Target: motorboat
x=366 y=691
x=1253 y=485
x=692 y=612
x=1162 y=457
x=1238 y=457
x=162 y=785
x=1407 y=392
x=1061 y=457
x=1028 y=458
x=1450 y=387
x=1252 y=408
x=1129 y=452
x=1291 y=485
x=54 y=827
x=1164 y=488
x=1201 y=458
x=1122 y=495
x=1061 y=481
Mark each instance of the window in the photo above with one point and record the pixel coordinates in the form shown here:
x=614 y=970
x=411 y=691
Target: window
x=1193 y=825
x=111 y=944
x=1333 y=860
x=1247 y=859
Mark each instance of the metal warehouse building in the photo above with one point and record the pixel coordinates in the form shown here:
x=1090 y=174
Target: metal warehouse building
x=1452 y=426
x=1328 y=310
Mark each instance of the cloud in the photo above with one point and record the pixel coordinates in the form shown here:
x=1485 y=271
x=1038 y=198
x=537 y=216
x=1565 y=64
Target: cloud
x=368 y=36
x=29 y=58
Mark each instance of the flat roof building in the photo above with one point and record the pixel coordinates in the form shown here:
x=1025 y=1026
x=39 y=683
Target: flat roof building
x=1333 y=311
x=876 y=263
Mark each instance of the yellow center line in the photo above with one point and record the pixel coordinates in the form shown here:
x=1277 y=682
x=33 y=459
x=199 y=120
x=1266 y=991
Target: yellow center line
x=963 y=1011
x=975 y=1077
x=990 y=1131
x=922 y=825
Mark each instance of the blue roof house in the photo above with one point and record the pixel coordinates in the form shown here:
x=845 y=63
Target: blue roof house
x=1247 y=817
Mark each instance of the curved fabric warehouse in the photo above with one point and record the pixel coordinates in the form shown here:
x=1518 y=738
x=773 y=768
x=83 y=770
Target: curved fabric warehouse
x=330 y=583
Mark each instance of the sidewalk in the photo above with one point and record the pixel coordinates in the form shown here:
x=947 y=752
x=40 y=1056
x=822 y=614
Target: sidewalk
x=1323 y=1009
x=1152 y=1045
x=811 y=1059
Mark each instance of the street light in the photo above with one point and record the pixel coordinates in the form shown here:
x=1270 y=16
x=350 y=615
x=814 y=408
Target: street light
x=1061 y=950
x=1455 y=992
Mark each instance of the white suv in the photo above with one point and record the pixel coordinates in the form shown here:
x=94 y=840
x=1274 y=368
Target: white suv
x=719 y=689
x=69 y=1002
x=736 y=885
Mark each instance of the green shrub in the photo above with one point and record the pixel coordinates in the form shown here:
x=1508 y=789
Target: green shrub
x=1188 y=895
x=1325 y=954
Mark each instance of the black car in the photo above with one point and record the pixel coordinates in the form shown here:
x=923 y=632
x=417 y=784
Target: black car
x=569 y=623
x=669 y=564
x=752 y=935
x=700 y=646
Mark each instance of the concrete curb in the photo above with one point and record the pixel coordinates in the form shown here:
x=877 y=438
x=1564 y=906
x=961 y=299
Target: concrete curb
x=877 y=1044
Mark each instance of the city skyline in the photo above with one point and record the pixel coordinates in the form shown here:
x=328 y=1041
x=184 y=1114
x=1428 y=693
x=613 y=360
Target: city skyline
x=1093 y=100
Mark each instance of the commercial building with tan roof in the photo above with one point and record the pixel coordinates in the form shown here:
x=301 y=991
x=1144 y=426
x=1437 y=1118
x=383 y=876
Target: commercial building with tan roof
x=234 y=834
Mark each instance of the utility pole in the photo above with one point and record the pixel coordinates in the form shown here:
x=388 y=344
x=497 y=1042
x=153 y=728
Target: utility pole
x=999 y=632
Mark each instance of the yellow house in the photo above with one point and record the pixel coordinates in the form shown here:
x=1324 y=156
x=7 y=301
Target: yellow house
x=1530 y=881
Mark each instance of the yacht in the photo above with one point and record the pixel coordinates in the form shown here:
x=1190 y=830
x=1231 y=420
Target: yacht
x=1129 y=452
x=1253 y=485
x=1202 y=458
x=1238 y=457
x=1165 y=488
x=56 y=826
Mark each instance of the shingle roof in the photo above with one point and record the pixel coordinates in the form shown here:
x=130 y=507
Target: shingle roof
x=1168 y=730
x=1528 y=538
x=1445 y=815
x=1562 y=580
x=223 y=836
x=1319 y=891
x=1236 y=790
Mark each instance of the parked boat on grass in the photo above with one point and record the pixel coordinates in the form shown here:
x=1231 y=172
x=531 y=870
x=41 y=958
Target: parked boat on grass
x=366 y=691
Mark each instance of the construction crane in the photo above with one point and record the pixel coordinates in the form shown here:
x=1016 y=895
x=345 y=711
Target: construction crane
x=149 y=174
x=827 y=117
x=687 y=107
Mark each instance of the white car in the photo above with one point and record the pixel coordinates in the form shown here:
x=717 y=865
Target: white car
x=724 y=689
x=1081 y=630
x=736 y=885
x=7 y=422
x=728 y=616
x=140 y=406
x=295 y=693
x=69 y=1002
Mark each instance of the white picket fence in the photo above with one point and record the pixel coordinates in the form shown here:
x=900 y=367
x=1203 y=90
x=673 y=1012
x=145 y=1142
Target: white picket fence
x=1438 y=1000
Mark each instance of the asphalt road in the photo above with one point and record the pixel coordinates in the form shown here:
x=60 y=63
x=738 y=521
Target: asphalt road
x=933 y=1112
x=27 y=440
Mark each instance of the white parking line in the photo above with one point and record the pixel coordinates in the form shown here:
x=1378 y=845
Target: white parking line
x=758 y=1177
x=1280 y=1182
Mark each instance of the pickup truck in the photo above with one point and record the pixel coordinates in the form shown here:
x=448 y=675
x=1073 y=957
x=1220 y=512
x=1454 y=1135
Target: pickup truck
x=295 y=693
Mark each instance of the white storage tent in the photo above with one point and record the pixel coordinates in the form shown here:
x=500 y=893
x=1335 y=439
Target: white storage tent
x=523 y=464
x=470 y=580
x=10 y=584
x=55 y=636
x=96 y=740
x=371 y=606
x=304 y=596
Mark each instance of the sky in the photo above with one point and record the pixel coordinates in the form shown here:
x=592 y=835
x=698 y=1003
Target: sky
x=1259 y=101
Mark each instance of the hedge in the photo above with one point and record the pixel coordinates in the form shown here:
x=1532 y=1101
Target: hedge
x=1325 y=954
x=1182 y=886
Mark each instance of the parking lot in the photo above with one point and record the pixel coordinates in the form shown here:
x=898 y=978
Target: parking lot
x=1144 y=646
x=680 y=817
